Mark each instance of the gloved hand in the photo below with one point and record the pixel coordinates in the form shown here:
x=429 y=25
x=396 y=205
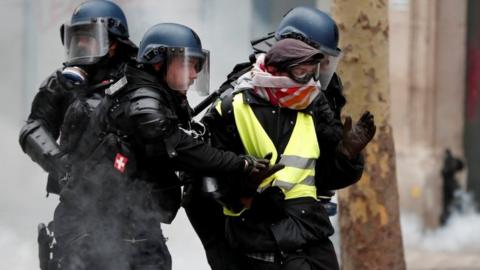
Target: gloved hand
x=68 y=82
x=258 y=169
x=59 y=163
x=356 y=138
x=58 y=174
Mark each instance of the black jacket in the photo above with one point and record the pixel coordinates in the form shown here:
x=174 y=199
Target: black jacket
x=152 y=125
x=186 y=153
x=57 y=110
x=273 y=223
x=51 y=102
x=333 y=171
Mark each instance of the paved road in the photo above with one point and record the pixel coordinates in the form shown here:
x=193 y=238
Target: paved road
x=442 y=260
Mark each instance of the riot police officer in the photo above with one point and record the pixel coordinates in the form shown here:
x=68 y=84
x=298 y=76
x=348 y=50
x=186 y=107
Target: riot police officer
x=316 y=28
x=97 y=45
x=124 y=181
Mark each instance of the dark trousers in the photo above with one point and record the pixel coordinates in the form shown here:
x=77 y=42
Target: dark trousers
x=208 y=221
x=85 y=243
x=317 y=256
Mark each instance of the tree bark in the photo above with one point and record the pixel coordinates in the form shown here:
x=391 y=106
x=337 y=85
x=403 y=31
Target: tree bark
x=369 y=211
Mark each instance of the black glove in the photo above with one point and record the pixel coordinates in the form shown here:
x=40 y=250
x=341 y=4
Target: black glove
x=258 y=169
x=60 y=164
x=356 y=138
x=58 y=174
x=61 y=169
x=68 y=84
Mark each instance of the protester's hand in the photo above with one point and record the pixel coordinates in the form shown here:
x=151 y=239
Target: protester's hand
x=356 y=138
x=258 y=169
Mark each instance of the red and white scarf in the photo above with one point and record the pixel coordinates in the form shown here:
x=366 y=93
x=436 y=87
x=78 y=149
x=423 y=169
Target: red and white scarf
x=278 y=90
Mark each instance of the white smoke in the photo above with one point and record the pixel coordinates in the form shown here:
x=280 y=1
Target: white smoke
x=23 y=206
x=16 y=252
x=22 y=200
x=460 y=233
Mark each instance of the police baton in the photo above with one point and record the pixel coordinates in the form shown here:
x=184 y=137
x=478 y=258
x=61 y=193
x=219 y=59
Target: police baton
x=237 y=71
x=207 y=101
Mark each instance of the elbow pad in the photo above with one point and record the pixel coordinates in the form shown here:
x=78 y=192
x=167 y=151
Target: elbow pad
x=39 y=144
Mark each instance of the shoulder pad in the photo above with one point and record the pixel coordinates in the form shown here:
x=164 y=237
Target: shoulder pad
x=145 y=92
x=144 y=105
x=143 y=101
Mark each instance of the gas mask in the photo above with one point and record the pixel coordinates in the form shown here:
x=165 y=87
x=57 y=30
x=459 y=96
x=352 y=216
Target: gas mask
x=75 y=75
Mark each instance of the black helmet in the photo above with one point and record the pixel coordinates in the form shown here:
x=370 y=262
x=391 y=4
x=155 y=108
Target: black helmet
x=166 y=41
x=93 y=24
x=116 y=20
x=171 y=36
x=312 y=26
x=317 y=29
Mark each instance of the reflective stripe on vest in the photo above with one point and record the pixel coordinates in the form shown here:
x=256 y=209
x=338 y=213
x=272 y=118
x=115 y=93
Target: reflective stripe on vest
x=297 y=179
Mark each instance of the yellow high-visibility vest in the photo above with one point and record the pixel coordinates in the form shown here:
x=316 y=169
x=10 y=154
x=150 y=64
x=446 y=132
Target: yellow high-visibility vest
x=297 y=179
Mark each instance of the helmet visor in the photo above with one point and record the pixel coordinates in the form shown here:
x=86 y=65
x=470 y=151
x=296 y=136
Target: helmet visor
x=86 y=43
x=188 y=69
x=326 y=68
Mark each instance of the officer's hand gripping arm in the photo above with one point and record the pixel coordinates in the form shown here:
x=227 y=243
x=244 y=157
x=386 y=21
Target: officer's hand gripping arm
x=257 y=170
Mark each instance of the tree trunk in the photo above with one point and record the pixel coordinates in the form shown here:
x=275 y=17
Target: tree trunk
x=369 y=211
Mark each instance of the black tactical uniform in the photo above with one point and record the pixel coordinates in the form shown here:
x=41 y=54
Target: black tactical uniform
x=62 y=107
x=124 y=181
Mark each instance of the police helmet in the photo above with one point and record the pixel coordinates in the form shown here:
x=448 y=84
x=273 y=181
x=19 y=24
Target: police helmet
x=311 y=25
x=92 y=24
x=317 y=29
x=166 y=41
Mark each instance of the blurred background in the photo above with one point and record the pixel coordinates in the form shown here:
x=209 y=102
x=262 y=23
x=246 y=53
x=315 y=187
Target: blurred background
x=434 y=88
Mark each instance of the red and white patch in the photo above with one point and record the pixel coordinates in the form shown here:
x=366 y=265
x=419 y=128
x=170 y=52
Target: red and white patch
x=120 y=162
